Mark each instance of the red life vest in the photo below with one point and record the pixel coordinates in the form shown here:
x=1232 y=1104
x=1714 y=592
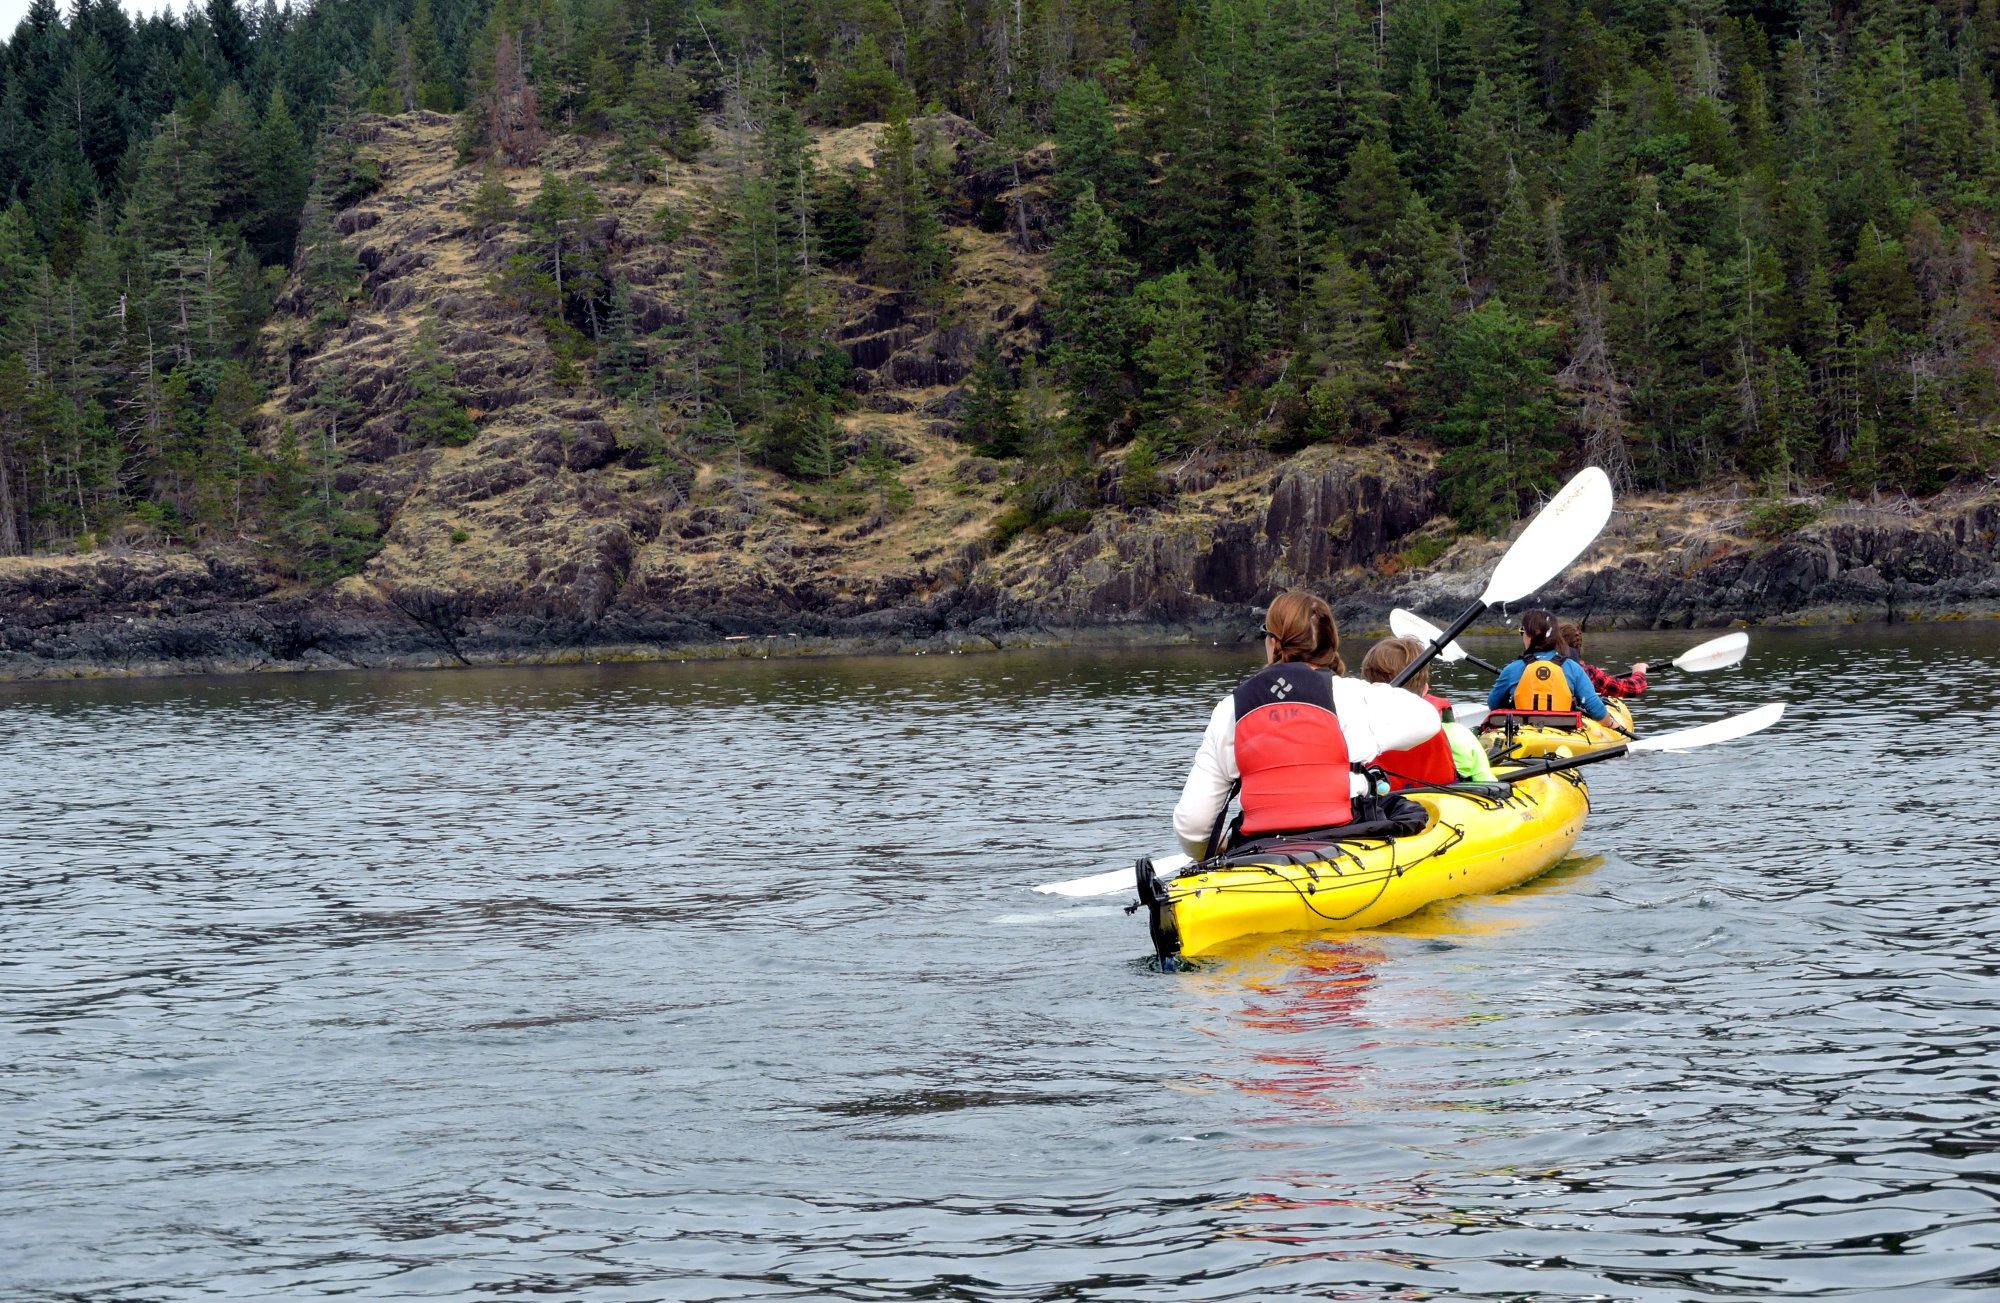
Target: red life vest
x=1428 y=762
x=1291 y=751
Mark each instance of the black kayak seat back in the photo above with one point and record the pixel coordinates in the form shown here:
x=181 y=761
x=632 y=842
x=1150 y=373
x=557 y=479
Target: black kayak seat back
x=1316 y=846
x=1547 y=718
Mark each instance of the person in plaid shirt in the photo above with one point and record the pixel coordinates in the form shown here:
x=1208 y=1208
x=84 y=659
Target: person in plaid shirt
x=1606 y=683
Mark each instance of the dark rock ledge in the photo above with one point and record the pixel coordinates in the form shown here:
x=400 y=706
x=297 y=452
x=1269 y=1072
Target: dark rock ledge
x=1125 y=583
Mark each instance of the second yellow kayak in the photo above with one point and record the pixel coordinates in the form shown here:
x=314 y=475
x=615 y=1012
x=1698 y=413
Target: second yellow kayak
x=1527 y=741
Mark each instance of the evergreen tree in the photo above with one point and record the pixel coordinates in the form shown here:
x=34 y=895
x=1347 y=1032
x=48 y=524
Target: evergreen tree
x=283 y=177
x=1373 y=195
x=175 y=193
x=1088 y=151
x=1594 y=202
x=1490 y=403
x=434 y=411
x=1089 y=279
x=621 y=363
x=232 y=35
x=321 y=535
x=1514 y=255
x=990 y=418
x=1177 y=359
x=1423 y=138
x=1341 y=350
x=426 y=48
x=906 y=248
x=492 y=204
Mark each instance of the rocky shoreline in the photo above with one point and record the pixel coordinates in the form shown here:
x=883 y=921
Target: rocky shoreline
x=1127 y=582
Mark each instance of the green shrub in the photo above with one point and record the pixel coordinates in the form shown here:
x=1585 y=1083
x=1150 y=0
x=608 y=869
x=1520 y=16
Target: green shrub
x=1773 y=519
x=1422 y=552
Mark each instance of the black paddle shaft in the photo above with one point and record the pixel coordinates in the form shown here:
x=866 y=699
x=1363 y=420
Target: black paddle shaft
x=1438 y=644
x=1556 y=764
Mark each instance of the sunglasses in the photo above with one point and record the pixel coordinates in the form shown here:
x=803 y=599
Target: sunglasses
x=1268 y=634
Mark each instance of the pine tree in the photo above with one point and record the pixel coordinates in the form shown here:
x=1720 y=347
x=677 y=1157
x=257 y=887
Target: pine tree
x=322 y=535
x=88 y=94
x=1594 y=200
x=906 y=248
x=1373 y=195
x=434 y=410
x=1490 y=404
x=229 y=139
x=1423 y=138
x=1177 y=359
x=283 y=177
x=434 y=89
x=492 y=204
x=1341 y=350
x=176 y=190
x=1088 y=151
x=232 y=35
x=1327 y=79
x=990 y=418
x=622 y=367
x=1514 y=255
x=1089 y=279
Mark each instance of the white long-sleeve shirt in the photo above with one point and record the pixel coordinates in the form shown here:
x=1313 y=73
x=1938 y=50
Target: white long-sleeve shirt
x=1374 y=717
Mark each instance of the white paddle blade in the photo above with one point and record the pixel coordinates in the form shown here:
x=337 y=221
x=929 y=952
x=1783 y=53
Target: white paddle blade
x=1554 y=538
x=1716 y=654
x=1405 y=624
x=1471 y=713
x=1114 y=880
x=1722 y=730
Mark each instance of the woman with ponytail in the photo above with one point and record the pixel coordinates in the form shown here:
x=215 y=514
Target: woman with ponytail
x=1292 y=733
x=1544 y=681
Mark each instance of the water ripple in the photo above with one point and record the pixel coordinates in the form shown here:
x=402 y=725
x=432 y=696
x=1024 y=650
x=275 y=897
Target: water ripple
x=720 y=982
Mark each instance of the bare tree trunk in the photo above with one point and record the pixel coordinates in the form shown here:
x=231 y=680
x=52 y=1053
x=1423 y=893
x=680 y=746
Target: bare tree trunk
x=9 y=529
x=1600 y=396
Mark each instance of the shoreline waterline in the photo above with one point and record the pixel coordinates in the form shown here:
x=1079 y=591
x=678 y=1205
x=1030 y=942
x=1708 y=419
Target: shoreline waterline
x=1134 y=637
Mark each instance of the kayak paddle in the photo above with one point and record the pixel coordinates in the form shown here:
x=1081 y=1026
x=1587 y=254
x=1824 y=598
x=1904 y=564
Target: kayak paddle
x=1715 y=654
x=1103 y=884
x=1686 y=739
x=1408 y=624
x=1555 y=537
x=1721 y=730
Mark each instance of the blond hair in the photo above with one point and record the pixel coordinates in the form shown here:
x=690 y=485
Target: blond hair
x=1386 y=659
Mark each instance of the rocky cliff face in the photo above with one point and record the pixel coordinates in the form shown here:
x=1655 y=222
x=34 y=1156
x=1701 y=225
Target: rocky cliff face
x=551 y=537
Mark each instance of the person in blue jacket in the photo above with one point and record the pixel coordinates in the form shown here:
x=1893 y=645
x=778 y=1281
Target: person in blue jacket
x=1544 y=679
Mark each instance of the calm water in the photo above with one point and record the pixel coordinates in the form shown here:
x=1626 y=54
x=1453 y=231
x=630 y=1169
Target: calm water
x=724 y=982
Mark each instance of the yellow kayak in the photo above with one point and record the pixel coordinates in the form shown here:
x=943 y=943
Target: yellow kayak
x=1474 y=843
x=1527 y=740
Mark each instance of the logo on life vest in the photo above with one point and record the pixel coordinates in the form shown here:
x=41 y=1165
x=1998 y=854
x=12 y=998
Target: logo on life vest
x=1282 y=688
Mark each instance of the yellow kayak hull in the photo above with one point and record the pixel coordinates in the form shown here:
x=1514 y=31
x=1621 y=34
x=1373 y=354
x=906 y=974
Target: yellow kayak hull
x=1531 y=740
x=1473 y=845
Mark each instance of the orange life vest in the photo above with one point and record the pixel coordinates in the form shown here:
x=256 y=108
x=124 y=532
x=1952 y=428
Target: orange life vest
x=1544 y=688
x=1290 y=751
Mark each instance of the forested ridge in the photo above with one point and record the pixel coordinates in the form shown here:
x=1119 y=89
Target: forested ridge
x=1686 y=241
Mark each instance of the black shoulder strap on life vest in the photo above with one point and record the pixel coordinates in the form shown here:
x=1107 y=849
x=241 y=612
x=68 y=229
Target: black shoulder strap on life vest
x=1287 y=681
